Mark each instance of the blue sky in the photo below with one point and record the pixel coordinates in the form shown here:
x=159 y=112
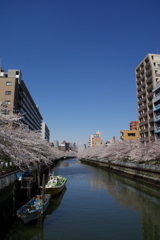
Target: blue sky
x=78 y=59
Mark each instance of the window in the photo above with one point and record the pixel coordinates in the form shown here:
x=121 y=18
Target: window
x=8 y=102
x=8 y=83
x=8 y=93
x=131 y=134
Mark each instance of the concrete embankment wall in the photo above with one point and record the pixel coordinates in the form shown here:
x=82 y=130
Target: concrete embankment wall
x=144 y=172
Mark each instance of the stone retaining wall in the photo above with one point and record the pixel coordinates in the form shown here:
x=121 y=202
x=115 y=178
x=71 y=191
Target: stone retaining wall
x=144 y=172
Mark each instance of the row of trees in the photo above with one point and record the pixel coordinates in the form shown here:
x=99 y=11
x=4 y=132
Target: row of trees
x=132 y=151
x=21 y=145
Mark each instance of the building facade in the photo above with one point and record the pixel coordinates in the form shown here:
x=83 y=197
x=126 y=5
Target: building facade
x=147 y=76
x=45 y=132
x=56 y=143
x=156 y=111
x=95 y=140
x=134 y=125
x=129 y=134
x=14 y=92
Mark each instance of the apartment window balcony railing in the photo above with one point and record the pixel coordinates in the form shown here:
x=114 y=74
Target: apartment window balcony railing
x=151 y=129
x=150 y=95
x=140 y=93
x=157 y=129
x=156 y=87
x=156 y=118
x=147 y=65
x=150 y=111
x=142 y=108
x=148 y=71
x=150 y=86
x=143 y=131
x=150 y=103
x=156 y=98
x=157 y=107
x=151 y=120
x=142 y=115
x=143 y=123
x=149 y=79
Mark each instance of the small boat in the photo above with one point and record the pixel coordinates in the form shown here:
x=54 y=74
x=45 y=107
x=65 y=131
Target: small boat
x=55 y=185
x=34 y=208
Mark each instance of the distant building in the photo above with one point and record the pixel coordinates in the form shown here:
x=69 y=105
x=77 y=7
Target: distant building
x=129 y=134
x=14 y=92
x=64 y=146
x=134 y=125
x=56 y=143
x=95 y=140
x=81 y=147
x=45 y=132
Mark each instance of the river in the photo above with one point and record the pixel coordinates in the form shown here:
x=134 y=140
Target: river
x=96 y=205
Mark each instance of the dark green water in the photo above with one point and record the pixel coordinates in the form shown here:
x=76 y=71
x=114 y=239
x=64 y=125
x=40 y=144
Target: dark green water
x=96 y=205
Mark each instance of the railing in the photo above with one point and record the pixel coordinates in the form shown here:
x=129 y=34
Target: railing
x=157 y=129
x=157 y=117
x=157 y=106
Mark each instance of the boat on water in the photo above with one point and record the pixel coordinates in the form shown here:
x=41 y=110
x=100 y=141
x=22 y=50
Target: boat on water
x=34 y=208
x=55 y=185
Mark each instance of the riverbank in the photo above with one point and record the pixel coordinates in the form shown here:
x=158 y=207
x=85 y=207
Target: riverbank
x=143 y=172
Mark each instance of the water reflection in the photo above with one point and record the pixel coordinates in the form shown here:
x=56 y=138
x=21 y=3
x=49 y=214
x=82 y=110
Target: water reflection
x=133 y=194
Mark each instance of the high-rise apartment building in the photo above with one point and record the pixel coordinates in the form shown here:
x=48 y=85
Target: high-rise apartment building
x=14 y=92
x=156 y=110
x=147 y=76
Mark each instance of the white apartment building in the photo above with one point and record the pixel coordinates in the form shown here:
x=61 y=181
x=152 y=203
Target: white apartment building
x=156 y=111
x=147 y=76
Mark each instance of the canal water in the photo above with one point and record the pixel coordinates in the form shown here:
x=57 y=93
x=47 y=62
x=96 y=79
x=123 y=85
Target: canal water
x=96 y=205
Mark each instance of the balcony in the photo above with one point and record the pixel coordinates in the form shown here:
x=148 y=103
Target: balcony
x=150 y=111
x=150 y=86
x=156 y=87
x=150 y=103
x=156 y=108
x=151 y=120
x=142 y=108
x=140 y=93
x=142 y=115
x=151 y=129
x=156 y=98
x=143 y=123
x=148 y=72
x=143 y=131
x=147 y=64
x=157 y=129
x=157 y=118
x=150 y=95
x=141 y=86
x=149 y=79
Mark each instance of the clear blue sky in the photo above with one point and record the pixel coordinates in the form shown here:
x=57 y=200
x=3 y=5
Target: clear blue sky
x=78 y=59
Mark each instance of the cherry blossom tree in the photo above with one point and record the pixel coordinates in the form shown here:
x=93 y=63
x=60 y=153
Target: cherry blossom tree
x=21 y=145
x=131 y=151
